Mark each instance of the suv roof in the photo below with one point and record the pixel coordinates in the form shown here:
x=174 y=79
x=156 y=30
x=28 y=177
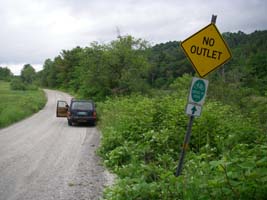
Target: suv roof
x=81 y=100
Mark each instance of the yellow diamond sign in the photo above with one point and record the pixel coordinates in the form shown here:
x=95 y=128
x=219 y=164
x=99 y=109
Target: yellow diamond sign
x=206 y=50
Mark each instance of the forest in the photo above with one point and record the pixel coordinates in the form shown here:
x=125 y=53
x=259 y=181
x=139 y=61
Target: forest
x=141 y=92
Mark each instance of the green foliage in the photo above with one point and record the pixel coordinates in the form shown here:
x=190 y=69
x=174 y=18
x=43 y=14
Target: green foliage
x=256 y=76
x=181 y=84
x=28 y=74
x=255 y=107
x=17 y=84
x=117 y=68
x=247 y=100
x=249 y=63
x=167 y=63
x=128 y=65
x=5 y=74
x=27 y=80
x=141 y=144
x=47 y=76
x=16 y=105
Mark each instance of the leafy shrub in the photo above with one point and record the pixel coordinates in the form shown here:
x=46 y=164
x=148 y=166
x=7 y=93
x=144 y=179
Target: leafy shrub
x=141 y=144
x=255 y=107
x=238 y=174
x=17 y=84
x=31 y=87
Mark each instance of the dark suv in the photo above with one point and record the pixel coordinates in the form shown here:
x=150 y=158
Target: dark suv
x=79 y=111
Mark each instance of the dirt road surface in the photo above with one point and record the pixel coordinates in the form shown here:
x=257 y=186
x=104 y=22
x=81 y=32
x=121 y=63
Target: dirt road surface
x=42 y=158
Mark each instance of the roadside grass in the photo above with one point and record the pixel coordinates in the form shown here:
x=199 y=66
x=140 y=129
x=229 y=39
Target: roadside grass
x=16 y=105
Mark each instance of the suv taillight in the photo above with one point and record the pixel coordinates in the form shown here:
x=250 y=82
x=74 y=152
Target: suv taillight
x=94 y=114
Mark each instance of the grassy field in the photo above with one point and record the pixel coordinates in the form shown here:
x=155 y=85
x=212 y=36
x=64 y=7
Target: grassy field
x=16 y=105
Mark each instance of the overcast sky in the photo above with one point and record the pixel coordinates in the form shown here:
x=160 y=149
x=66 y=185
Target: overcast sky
x=34 y=30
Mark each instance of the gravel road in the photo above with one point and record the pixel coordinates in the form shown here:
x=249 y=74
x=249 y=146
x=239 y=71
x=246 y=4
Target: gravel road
x=42 y=158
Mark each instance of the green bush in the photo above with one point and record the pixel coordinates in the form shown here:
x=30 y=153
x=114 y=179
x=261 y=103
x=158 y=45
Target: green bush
x=141 y=144
x=17 y=84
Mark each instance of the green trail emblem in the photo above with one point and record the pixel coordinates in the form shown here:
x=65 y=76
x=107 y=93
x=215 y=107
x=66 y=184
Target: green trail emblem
x=198 y=90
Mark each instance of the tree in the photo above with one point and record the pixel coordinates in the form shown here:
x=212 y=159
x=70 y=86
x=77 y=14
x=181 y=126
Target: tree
x=113 y=69
x=5 y=74
x=48 y=76
x=28 y=74
x=128 y=65
x=69 y=67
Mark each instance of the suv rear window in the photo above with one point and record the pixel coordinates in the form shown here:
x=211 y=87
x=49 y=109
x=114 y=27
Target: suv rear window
x=61 y=104
x=82 y=106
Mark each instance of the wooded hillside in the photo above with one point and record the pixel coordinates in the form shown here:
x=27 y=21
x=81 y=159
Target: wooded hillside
x=128 y=65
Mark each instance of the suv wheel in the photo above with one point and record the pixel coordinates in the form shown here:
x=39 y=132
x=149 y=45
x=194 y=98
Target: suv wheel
x=69 y=122
x=92 y=123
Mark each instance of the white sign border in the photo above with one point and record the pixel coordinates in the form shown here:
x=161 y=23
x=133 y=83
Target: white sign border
x=190 y=100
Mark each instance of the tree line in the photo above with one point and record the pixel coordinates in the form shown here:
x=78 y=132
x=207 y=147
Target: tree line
x=129 y=65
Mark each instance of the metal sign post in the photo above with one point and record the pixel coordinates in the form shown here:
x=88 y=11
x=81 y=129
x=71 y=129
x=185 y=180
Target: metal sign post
x=185 y=145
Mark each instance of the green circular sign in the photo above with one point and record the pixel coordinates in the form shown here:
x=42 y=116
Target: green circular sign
x=198 y=91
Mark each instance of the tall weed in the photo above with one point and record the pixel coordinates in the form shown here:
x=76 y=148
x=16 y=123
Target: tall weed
x=141 y=143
